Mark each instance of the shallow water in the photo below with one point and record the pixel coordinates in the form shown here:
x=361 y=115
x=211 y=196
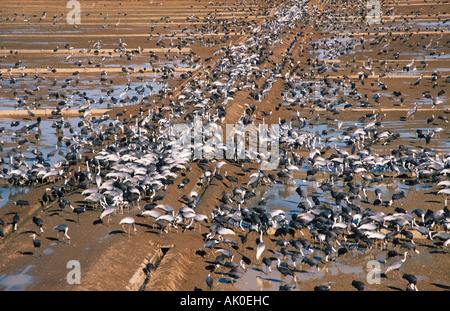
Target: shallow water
x=356 y=262
x=8 y=194
x=46 y=144
x=17 y=282
x=77 y=92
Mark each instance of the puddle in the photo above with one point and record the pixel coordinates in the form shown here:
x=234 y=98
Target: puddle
x=257 y=277
x=105 y=96
x=374 y=12
x=16 y=282
x=329 y=49
x=28 y=153
x=11 y=194
x=48 y=251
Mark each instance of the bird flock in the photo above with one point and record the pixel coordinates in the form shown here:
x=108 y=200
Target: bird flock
x=132 y=161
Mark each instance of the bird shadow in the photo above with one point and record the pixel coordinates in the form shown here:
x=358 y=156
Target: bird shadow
x=97 y=221
x=432 y=192
x=144 y=225
x=303 y=271
x=438 y=252
x=55 y=212
x=10 y=213
x=201 y=253
x=25 y=253
x=154 y=231
x=270 y=279
x=441 y=286
x=28 y=232
x=428 y=246
x=395 y=288
x=117 y=232
x=52 y=239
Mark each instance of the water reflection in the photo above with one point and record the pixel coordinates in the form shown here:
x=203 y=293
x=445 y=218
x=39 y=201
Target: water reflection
x=258 y=277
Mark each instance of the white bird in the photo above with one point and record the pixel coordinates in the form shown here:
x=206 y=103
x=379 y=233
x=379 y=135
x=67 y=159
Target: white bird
x=193 y=194
x=376 y=235
x=169 y=218
x=444 y=191
x=130 y=221
x=260 y=247
x=224 y=231
x=98 y=179
x=368 y=226
x=152 y=213
x=166 y=207
x=218 y=165
x=445 y=183
x=197 y=218
x=107 y=212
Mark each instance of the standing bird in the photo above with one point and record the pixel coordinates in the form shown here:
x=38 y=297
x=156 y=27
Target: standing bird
x=312 y=262
x=412 y=111
x=210 y=244
x=130 y=221
x=209 y=282
x=38 y=222
x=418 y=80
x=358 y=285
x=160 y=197
x=396 y=265
x=62 y=228
x=107 y=212
x=322 y=288
x=396 y=196
x=45 y=199
x=260 y=247
x=412 y=281
x=22 y=203
x=98 y=179
x=15 y=221
x=36 y=242
x=78 y=211
x=267 y=262
x=284 y=270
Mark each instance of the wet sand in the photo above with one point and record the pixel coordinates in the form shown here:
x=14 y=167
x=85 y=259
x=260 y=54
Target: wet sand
x=113 y=260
